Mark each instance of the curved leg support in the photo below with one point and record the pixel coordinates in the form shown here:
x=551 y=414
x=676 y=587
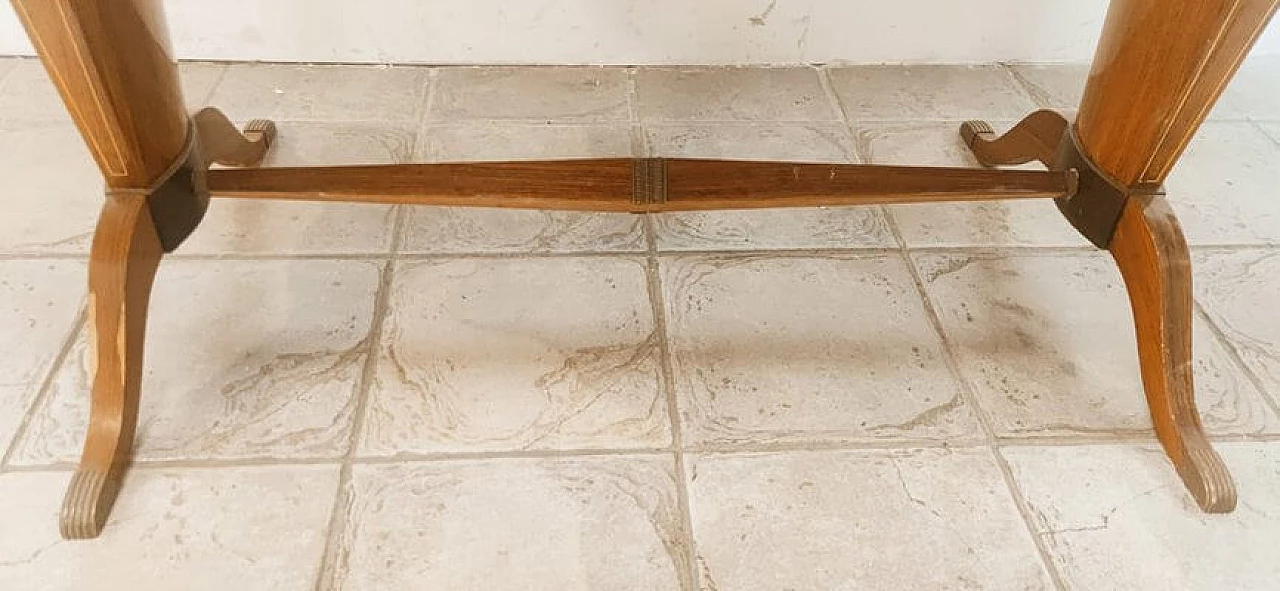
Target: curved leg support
x=222 y=143
x=1152 y=255
x=1036 y=137
x=126 y=251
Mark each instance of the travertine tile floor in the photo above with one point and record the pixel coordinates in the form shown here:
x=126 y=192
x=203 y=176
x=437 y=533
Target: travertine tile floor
x=370 y=397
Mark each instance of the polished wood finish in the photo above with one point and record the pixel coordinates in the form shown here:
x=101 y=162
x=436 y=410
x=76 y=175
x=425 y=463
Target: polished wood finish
x=122 y=265
x=1158 y=71
x=110 y=62
x=1159 y=68
x=222 y=143
x=1036 y=138
x=1152 y=255
x=609 y=184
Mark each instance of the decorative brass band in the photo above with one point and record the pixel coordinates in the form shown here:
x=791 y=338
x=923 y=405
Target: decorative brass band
x=649 y=181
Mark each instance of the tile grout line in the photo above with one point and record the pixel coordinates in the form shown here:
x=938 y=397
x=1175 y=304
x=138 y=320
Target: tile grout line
x=1032 y=92
x=904 y=444
x=949 y=354
x=213 y=88
x=1020 y=502
x=422 y=121
x=689 y=575
x=856 y=154
x=658 y=305
x=1221 y=337
x=1262 y=130
x=333 y=531
x=46 y=384
x=856 y=250
x=639 y=149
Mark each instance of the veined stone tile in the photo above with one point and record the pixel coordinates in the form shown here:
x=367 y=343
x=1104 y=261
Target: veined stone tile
x=906 y=93
x=245 y=359
x=191 y=529
x=532 y=93
x=732 y=94
x=1223 y=189
x=901 y=519
x=288 y=92
x=775 y=348
x=1239 y=291
x=52 y=190
x=1047 y=342
x=38 y=304
x=1119 y=518
x=547 y=524
x=509 y=354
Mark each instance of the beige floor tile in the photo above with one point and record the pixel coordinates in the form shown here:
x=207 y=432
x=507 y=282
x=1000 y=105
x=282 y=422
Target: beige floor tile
x=194 y=529
x=1224 y=188
x=1239 y=291
x=322 y=93
x=1119 y=518
x=245 y=359
x=904 y=93
x=458 y=229
x=38 y=305
x=479 y=141
x=770 y=349
x=6 y=65
x=507 y=354
x=1047 y=343
x=553 y=524
x=1059 y=86
x=28 y=95
x=799 y=142
x=536 y=94
x=828 y=227
x=245 y=226
x=906 y=519
x=992 y=223
x=1255 y=91
x=732 y=94
x=1272 y=130
x=52 y=189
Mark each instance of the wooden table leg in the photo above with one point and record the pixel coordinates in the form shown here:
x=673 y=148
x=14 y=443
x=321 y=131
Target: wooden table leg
x=1159 y=69
x=110 y=61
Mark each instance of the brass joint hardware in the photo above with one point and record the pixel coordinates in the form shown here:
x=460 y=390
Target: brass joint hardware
x=1095 y=207
x=648 y=182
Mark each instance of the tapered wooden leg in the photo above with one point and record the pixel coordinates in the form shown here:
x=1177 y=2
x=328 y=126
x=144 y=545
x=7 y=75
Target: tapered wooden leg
x=222 y=143
x=110 y=62
x=1035 y=138
x=1152 y=255
x=126 y=251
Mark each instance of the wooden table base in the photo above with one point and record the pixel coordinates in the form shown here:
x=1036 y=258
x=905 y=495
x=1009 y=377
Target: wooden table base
x=1159 y=69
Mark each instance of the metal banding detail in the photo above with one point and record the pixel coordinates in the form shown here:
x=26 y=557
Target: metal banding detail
x=648 y=181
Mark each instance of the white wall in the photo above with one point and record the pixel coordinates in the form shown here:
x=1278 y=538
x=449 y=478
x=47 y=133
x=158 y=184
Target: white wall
x=630 y=31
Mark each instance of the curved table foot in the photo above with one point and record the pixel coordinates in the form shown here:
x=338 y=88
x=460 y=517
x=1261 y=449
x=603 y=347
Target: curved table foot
x=126 y=251
x=1034 y=138
x=222 y=143
x=1151 y=252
